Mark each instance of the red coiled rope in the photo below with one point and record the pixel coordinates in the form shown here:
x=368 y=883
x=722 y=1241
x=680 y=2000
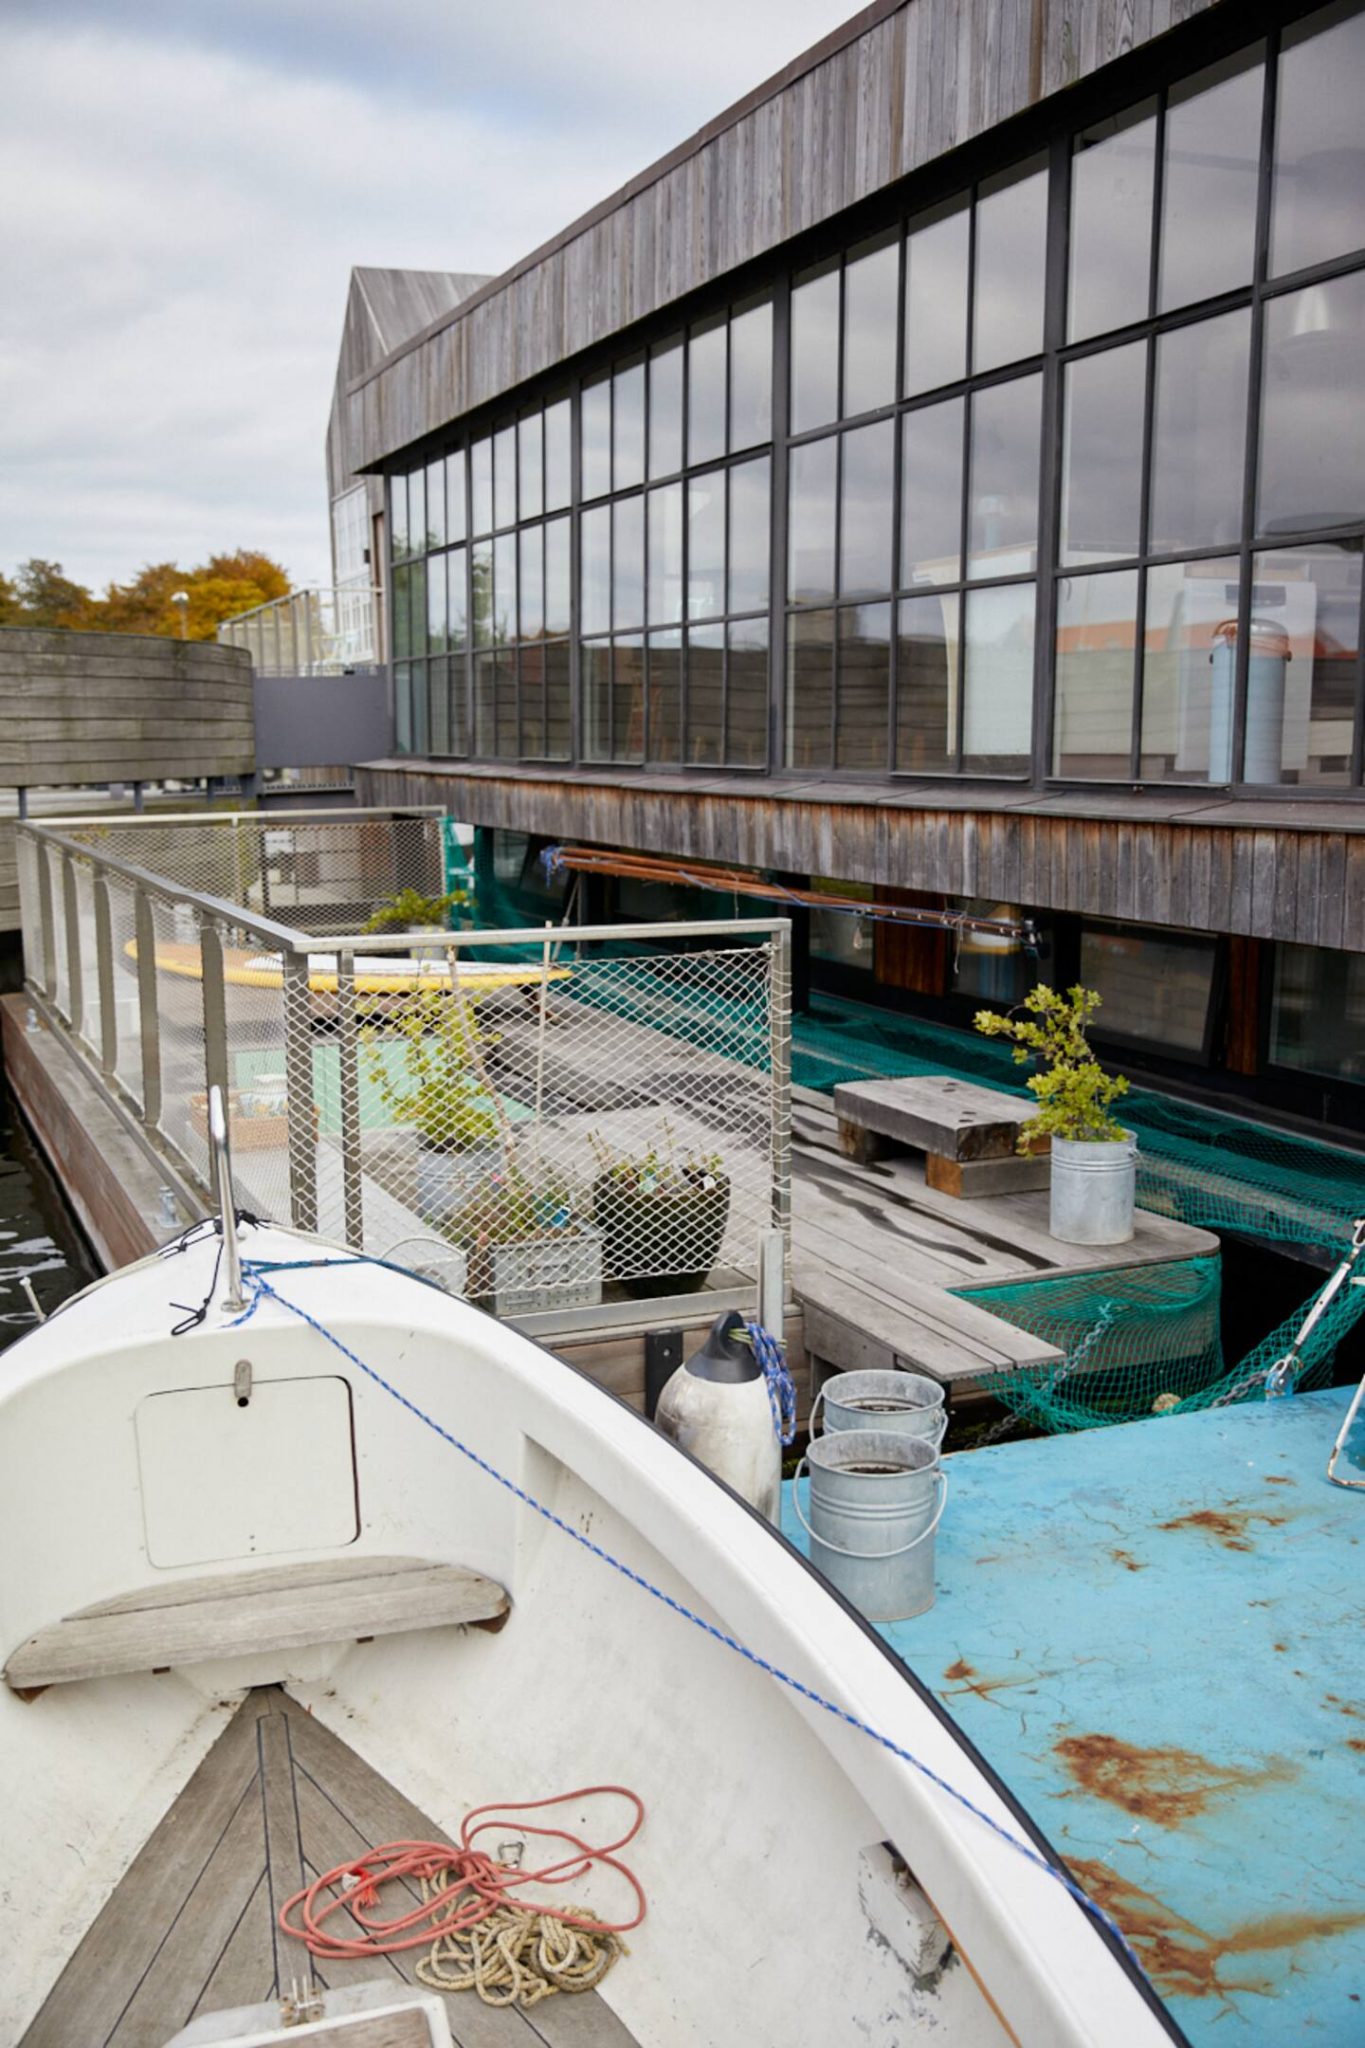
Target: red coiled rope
x=464 y=1885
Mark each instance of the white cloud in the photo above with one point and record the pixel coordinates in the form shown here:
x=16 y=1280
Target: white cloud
x=188 y=188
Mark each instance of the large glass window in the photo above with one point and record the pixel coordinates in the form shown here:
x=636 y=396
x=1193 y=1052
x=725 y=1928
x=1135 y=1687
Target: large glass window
x=1212 y=159
x=1319 y=203
x=1313 y=408
x=1317 y=1020
x=1111 y=222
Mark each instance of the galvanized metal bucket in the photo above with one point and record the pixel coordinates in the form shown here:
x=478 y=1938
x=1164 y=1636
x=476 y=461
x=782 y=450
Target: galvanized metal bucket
x=907 y=1403
x=1094 y=1186
x=876 y=1498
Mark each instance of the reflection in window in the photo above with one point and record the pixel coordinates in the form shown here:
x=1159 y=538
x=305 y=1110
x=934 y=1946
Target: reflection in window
x=1002 y=534
x=1208 y=200
x=868 y=463
x=997 y=680
x=931 y=494
x=665 y=697
x=810 y=572
x=1199 y=434
x=926 y=683
x=1111 y=222
x=481 y=484
x=706 y=391
x=706 y=545
x=558 y=438
x=505 y=477
x=1154 y=990
x=749 y=523
x=628 y=562
x=558 y=579
x=628 y=698
x=810 y=688
x=666 y=408
x=595 y=435
x=418 y=584
x=436 y=604
x=746 y=694
x=1304 y=650
x=751 y=376
x=530 y=468
x=595 y=570
x=665 y=554
x=1319 y=202
x=505 y=587
x=1317 y=1022
x=417 y=511
x=1186 y=604
x=860 y=739
x=481 y=593
x=594 y=668
x=705 y=682
x=457 y=602
x=1102 y=454
x=871 y=290
x=815 y=348
x=1313 y=408
x=455 y=500
x=628 y=427
x=1011 y=232
x=531 y=581
x=398 y=516
x=936 y=252
x=402 y=614
x=436 y=505
x=1096 y=636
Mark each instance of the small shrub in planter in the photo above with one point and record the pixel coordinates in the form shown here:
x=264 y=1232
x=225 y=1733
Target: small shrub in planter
x=439 y=1091
x=410 y=911
x=1093 y=1156
x=662 y=1219
x=528 y=1248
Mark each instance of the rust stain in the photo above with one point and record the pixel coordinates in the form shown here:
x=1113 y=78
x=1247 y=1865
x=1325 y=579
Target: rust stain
x=1278 y=1479
x=1279 y=1646
x=1348 y=1707
x=1163 y=1785
x=962 y=1669
x=1128 y=1561
x=1184 y=1959
x=1355 y=1742
x=1228 y=1526
x=968 y=1679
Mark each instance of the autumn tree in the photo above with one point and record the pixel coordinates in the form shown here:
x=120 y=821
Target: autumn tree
x=215 y=590
x=45 y=597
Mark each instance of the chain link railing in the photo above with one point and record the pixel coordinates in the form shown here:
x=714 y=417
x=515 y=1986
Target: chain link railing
x=558 y=1123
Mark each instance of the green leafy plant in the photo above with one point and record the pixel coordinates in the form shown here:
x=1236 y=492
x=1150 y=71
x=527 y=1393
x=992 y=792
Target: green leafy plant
x=509 y=1210
x=1073 y=1091
x=409 y=911
x=655 y=1171
x=438 y=1087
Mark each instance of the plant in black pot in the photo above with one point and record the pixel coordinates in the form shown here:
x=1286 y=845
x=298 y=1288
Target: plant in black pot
x=662 y=1214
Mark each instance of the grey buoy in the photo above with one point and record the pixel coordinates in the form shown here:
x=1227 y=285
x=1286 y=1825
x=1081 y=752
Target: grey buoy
x=716 y=1406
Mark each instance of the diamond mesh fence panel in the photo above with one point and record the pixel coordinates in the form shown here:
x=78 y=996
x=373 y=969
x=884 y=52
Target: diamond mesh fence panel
x=61 y=978
x=258 y=1076
x=180 y=1021
x=27 y=856
x=89 y=956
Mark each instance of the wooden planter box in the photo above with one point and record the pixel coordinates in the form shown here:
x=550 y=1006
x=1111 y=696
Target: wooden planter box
x=248 y=1133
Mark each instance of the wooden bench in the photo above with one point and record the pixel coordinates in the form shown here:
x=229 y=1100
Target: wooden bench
x=969 y=1135
x=278 y=1607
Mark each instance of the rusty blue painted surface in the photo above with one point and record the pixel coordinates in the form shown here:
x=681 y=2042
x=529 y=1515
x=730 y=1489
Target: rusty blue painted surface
x=1154 y=1634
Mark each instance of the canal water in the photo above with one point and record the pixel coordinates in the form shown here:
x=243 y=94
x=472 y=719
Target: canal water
x=40 y=1239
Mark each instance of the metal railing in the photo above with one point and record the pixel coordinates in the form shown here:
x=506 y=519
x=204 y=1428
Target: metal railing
x=564 y=1123
x=313 y=632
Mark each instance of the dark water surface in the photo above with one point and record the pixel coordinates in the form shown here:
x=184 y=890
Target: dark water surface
x=39 y=1236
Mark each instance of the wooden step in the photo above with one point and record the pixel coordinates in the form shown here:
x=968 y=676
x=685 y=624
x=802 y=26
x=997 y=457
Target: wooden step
x=278 y=1607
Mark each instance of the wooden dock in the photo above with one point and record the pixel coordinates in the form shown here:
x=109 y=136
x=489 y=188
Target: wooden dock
x=877 y=1255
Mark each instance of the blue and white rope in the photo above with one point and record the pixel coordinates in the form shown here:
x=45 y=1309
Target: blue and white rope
x=254 y=1275
x=771 y=1355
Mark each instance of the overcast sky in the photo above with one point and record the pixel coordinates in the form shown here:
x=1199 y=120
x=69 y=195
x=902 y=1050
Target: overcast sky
x=187 y=186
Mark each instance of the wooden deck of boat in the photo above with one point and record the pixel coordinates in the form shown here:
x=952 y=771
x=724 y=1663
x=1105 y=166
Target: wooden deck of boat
x=191 y=1928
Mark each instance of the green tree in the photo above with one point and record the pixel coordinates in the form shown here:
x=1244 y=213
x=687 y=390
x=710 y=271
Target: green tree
x=47 y=597
x=10 y=612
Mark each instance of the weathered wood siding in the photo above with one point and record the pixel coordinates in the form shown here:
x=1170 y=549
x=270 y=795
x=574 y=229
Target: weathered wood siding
x=1271 y=871
x=898 y=87
x=95 y=707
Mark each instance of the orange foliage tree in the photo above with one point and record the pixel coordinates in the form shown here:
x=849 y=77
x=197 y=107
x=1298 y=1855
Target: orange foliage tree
x=217 y=589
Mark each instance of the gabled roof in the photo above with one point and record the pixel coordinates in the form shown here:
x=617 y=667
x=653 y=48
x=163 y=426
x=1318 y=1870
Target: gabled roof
x=385 y=308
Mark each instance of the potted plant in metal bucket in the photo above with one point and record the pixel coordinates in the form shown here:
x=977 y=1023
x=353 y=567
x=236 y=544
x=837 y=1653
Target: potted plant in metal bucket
x=528 y=1246
x=427 y=1071
x=1094 y=1169
x=662 y=1215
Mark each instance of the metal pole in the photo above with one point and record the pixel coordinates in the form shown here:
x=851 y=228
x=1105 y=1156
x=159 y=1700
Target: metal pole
x=149 y=1021
x=352 y=1177
x=298 y=1067
x=221 y=1174
x=75 y=1005
x=215 y=1008
x=779 y=1045
x=104 y=969
x=49 y=936
x=541 y=1026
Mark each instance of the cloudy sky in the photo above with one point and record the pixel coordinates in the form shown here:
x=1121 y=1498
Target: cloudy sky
x=188 y=183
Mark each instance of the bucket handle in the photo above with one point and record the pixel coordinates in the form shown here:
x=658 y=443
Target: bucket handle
x=941 y=1479
x=936 y=1437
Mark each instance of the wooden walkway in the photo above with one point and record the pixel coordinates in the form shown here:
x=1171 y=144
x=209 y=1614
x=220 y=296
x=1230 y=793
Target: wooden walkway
x=191 y=1927
x=877 y=1255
